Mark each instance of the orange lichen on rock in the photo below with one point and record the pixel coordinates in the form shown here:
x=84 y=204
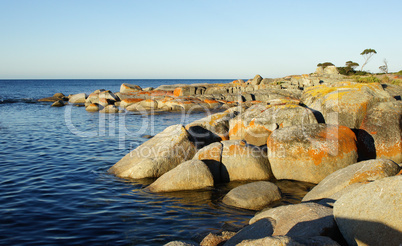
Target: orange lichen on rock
x=132 y=100
x=178 y=92
x=213 y=153
x=389 y=151
x=236 y=131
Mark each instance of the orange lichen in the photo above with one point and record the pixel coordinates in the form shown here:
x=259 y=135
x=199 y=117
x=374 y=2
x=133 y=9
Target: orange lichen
x=236 y=130
x=132 y=100
x=178 y=92
x=210 y=101
x=389 y=152
x=213 y=153
x=366 y=176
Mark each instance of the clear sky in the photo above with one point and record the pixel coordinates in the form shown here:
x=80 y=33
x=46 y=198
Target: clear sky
x=141 y=39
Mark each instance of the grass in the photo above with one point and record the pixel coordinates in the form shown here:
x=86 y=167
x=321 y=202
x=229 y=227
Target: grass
x=374 y=79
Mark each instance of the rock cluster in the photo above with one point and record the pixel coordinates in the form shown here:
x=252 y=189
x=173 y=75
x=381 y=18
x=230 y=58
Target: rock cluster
x=345 y=137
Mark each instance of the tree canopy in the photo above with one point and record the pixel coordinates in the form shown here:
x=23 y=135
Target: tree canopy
x=367 y=54
x=325 y=64
x=351 y=64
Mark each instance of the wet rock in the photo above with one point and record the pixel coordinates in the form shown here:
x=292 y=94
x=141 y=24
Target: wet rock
x=344 y=103
x=56 y=97
x=157 y=156
x=309 y=153
x=58 y=103
x=253 y=196
x=300 y=220
x=377 y=141
x=189 y=175
x=361 y=172
x=371 y=214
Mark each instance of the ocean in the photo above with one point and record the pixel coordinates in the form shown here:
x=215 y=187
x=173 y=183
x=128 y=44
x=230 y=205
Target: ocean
x=54 y=184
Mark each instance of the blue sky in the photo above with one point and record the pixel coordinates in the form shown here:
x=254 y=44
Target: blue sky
x=192 y=38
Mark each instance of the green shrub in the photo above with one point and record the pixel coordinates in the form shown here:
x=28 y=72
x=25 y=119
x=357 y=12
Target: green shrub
x=396 y=82
x=367 y=79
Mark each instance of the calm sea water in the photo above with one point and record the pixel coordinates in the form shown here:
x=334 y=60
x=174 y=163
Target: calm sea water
x=54 y=185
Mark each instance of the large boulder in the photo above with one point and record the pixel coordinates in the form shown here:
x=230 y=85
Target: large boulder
x=189 y=175
x=156 y=156
x=101 y=97
x=360 y=172
x=372 y=214
x=380 y=134
x=126 y=88
x=130 y=101
x=344 y=103
x=211 y=155
x=257 y=123
x=233 y=160
x=244 y=162
x=79 y=98
x=109 y=109
x=300 y=220
x=93 y=107
x=253 y=196
x=256 y=80
x=212 y=128
x=309 y=153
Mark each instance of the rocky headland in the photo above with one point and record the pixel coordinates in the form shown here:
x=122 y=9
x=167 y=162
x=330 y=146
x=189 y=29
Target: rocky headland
x=322 y=128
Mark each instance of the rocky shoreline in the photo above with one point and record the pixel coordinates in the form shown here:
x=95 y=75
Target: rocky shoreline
x=322 y=128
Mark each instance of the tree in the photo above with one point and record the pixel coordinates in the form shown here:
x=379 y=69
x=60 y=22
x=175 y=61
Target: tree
x=384 y=68
x=351 y=64
x=367 y=54
x=325 y=64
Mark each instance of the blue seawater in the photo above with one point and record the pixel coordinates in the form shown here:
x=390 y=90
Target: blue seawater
x=54 y=184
